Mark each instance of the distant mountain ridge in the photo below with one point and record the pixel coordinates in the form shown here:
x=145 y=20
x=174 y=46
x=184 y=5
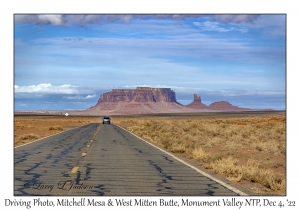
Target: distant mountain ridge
x=147 y=100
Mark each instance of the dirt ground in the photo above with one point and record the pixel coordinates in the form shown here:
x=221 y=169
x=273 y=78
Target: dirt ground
x=39 y=126
x=36 y=127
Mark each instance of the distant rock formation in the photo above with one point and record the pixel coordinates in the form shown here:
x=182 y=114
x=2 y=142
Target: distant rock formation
x=224 y=105
x=142 y=100
x=221 y=105
x=197 y=104
x=146 y=100
x=140 y=94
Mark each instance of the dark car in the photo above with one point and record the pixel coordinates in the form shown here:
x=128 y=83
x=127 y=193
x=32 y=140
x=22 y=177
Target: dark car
x=106 y=120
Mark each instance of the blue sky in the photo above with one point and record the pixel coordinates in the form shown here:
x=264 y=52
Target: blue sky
x=64 y=62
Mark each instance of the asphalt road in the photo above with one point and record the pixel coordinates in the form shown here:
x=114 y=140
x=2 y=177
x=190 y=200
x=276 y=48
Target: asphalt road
x=97 y=159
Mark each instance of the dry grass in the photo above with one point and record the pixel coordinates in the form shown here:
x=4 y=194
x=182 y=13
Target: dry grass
x=59 y=128
x=248 y=148
x=250 y=172
x=41 y=126
x=28 y=137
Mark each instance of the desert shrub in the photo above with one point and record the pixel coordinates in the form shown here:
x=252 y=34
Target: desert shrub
x=251 y=172
x=178 y=148
x=28 y=137
x=59 y=128
x=199 y=154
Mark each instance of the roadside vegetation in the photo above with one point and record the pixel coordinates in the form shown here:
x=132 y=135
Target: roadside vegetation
x=59 y=128
x=30 y=128
x=27 y=138
x=251 y=148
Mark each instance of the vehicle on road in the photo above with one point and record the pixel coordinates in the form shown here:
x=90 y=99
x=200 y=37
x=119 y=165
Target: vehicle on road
x=106 y=120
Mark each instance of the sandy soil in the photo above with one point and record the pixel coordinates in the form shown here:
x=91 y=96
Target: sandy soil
x=39 y=126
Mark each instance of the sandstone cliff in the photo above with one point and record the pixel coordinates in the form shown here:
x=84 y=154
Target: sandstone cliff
x=142 y=100
x=140 y=94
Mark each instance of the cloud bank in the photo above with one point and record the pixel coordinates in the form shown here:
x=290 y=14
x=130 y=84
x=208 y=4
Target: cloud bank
x=47 y=88
x=74 y=91
x=82 y=20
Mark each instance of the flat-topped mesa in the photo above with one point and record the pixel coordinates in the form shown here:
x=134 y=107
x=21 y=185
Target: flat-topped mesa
x=140 y=94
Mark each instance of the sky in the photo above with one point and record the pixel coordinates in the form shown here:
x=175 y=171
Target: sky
x=66 y=61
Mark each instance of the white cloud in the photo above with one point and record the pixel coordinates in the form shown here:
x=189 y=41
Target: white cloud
x=65 y=91
x=216 y=26
x=211 y=26
x=51 y=19
x=74 y=97
x=90 y=96
x=56 y=20
x=47 y=88
x=235 y=18
x=80 y=97
x=81 y=20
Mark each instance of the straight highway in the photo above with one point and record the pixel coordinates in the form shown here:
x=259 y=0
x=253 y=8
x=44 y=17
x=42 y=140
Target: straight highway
x=106 y=160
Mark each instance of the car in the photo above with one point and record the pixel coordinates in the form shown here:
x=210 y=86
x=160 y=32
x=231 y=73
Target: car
x=106 y=120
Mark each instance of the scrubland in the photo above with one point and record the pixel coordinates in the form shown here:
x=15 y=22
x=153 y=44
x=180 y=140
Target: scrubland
x=249 y=149
x=244 y=149
x=27 y=128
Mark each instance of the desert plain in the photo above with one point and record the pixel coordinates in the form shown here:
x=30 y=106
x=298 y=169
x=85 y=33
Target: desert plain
x=246 y=147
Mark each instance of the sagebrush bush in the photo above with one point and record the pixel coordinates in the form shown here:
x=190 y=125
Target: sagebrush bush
x=59 y=128
x=28 y=137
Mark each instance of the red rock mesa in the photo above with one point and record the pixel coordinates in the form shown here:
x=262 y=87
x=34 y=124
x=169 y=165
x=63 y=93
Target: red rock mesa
x=142 y=100
x=146 y=100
